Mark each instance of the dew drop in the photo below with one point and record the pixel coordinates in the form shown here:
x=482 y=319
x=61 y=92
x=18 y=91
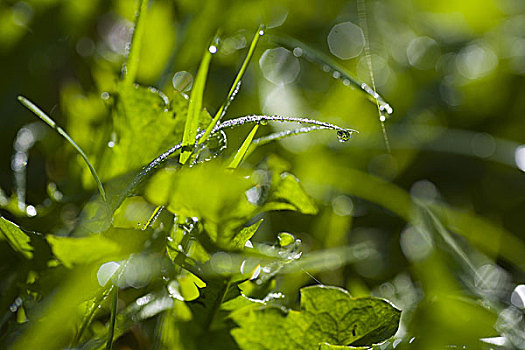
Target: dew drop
x=104 y=95
x=31 y=211
x=343 y=135
x=261 y=32
x=336 y=74
x=385 y=107
x=382 y=118
x=263 y=122
x=212 y=49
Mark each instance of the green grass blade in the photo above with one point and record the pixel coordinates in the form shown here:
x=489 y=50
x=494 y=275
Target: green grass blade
x=90 y=314
x=132 y=61
x=109 y=344
x=235 y=86
x=39 y=113
x=337 y=71
x=195 y=106
x=239 y=156
x=233 y=123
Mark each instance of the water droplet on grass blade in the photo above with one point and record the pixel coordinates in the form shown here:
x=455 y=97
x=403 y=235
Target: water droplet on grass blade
x=386 y=108
x=31 y=211
x=285 y=239
x=343 y=135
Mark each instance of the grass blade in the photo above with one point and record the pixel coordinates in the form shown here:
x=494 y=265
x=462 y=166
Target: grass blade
x=132 y=61
x=337 y=71
x=39 y=113
x=239 y=156
x=232 y=123
x=195 y=106
x=90 y=314
x=235 y=86
x=112 y=321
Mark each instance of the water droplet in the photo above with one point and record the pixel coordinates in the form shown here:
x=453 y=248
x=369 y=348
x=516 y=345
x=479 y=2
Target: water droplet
x=518 y=296
x=15 y=305
x=519 y=157
x=261 y=32
x=285 y=239
x=382 y=118
x=385 y=107
x=104 y=95
x=264 y=122
x=212 y=49
x=182 y=81
x=297 y=52
x=344 y=135
x=31 y=211
x=336 y=74
x=111 y=144
x=346 y=82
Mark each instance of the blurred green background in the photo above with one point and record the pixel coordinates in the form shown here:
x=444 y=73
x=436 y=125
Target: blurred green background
x=454 y=72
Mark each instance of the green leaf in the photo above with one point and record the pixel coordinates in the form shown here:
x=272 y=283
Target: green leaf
x=289 y=195
x=17 y=239
x=115 y=244
x=240 y=239
x=146 y=126
x=207 y=191
x=193 y=115
x=327 y=315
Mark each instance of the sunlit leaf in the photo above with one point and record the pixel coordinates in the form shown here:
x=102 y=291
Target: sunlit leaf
x=114 y=244
x=327 y=315
x=240 y=239
x=209 y=192
x=289 y=195
x=17 y=239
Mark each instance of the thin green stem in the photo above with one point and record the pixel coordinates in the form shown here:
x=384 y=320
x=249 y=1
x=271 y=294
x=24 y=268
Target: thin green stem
x=39 y=113
x=112 y=321
x=90 y=314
